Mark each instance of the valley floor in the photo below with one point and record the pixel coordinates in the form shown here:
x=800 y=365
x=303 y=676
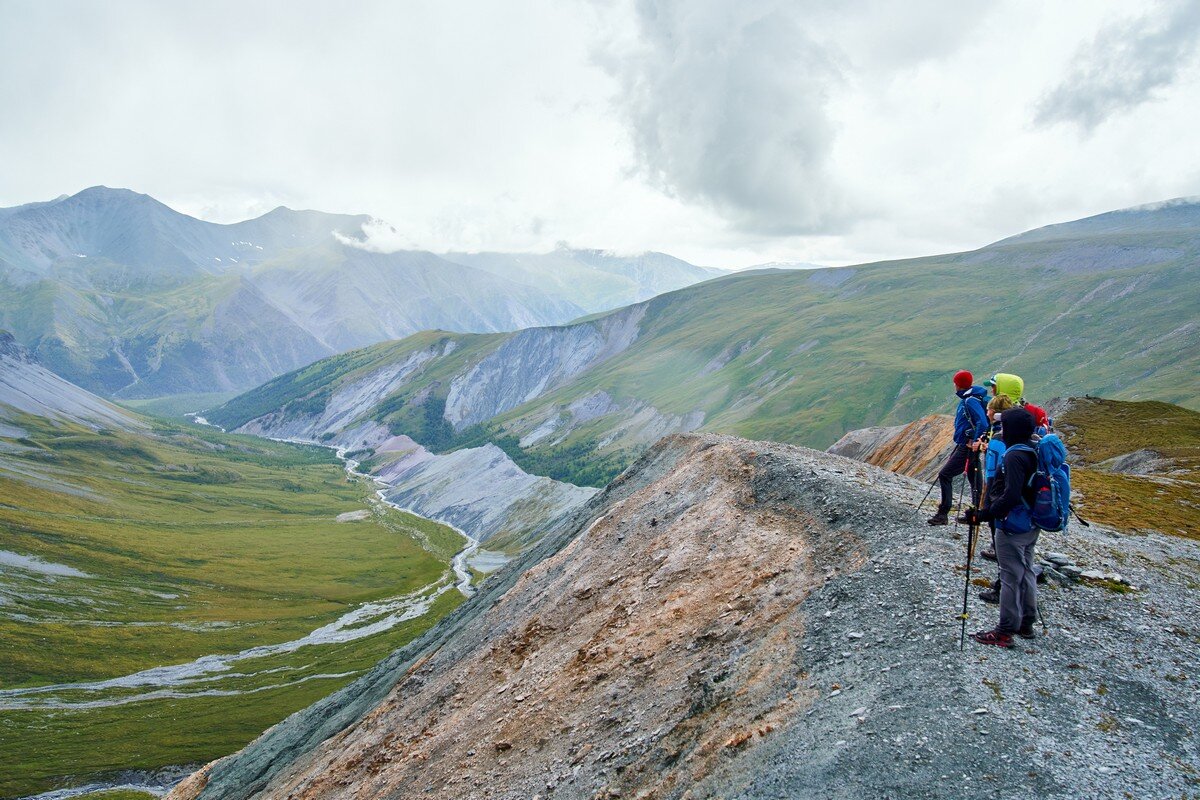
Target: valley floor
x=165 y=598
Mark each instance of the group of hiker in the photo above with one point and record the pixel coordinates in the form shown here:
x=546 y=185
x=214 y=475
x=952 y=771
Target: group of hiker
x=1000 y=439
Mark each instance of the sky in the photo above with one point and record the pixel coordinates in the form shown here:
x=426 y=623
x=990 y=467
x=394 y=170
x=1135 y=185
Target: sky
x=726 y=133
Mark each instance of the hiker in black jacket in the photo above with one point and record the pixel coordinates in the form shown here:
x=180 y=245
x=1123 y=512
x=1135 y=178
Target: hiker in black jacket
x=1014 y=551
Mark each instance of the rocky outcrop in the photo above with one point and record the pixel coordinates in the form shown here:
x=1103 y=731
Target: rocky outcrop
x=631 y=425
x=534 y=361
x=347 y=403
x=917 y=449
x=478 y=489
x=744 y=619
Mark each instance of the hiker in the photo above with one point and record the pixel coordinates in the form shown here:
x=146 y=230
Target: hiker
x=1004 y=383
x=994 y=481
x=996 y=406
x=1014 y=551
x=1040 y=419
x=970 y=423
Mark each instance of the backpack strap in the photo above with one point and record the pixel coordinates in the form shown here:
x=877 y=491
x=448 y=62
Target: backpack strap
x=1021 y=448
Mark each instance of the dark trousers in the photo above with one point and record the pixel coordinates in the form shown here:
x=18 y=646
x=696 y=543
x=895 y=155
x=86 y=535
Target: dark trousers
x=960 y=457
x=1018 y=581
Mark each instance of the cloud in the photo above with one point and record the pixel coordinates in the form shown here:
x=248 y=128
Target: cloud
x=1124 y=66
x=727 y=133
x=726 y=105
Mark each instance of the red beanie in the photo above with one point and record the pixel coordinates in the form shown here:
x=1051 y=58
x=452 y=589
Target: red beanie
x=963 y=380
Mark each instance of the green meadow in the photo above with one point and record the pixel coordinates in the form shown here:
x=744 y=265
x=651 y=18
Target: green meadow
x=162 y=548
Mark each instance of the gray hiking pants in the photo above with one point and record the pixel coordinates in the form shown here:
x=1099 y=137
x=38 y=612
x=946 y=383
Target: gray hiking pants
x=1018 y=582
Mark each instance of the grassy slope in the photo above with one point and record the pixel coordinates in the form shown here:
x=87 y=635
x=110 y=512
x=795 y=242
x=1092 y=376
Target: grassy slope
x=1096 y=430
x=803 y=357
x=181 y=530
x=878 y=348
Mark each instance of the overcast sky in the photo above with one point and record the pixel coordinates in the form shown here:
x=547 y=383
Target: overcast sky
x=725 y=133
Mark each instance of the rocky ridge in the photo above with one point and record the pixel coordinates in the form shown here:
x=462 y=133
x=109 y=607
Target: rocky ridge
x=917 y=449
x=479 y=490
x=735 y=618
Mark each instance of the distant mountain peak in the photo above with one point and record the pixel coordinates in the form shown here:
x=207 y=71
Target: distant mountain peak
x=1178 y=213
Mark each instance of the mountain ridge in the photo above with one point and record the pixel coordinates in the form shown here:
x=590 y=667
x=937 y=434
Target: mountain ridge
x=794 y=356
x=108 y=285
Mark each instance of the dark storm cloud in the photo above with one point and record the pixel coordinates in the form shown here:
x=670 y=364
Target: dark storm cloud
x=1126 y=65
x=727 y=106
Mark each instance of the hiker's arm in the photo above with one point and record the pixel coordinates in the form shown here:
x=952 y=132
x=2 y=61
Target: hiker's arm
x=978 y=418
x=1015 y=477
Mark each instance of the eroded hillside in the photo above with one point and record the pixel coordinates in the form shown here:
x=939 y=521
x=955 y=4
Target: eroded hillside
x=734 y=618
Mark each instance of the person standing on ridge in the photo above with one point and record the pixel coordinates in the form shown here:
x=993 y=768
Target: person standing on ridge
x=970 y=424
x=1005 y=383
x=1014 y=551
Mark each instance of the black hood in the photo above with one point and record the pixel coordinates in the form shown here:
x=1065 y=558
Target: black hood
x=1018 y=425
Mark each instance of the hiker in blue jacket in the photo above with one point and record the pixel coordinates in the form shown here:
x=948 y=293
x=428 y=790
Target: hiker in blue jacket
x=970 y=424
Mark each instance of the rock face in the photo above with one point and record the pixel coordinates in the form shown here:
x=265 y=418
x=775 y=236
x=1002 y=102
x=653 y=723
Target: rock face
x=917 y=449
x=532 y=361
x=743 y=619
x=477 y=489
x=26 y=387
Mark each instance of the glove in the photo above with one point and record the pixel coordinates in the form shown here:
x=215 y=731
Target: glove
x=974 y=516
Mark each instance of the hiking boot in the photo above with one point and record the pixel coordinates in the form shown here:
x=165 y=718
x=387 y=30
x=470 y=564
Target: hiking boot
x=939 y=518
x=1027 y=631
x=963 y=519
x=993 y=637
x=990 y=596
x=989 y=554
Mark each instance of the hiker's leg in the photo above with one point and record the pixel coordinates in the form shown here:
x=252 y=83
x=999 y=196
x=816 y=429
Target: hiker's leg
x=1029 y=587
x=953 y=468
x=1009 y=558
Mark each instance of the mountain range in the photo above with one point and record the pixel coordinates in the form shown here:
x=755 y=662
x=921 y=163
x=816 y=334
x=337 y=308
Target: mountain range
x=126 y=297
x=1105 y=305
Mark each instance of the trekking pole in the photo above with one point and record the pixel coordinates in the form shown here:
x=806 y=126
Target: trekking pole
x=1082 y=521
x=927 y=493
x=964 y=616
x=972 y=531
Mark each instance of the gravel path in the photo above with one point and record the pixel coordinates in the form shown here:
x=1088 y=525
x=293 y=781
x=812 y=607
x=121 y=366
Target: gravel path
x=1102 y=704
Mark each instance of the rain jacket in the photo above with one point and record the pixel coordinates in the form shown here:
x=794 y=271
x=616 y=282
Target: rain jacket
x=970 y=420
x=1011 y=385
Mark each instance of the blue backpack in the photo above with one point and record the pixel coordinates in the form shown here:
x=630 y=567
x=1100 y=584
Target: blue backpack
x=1051 y=484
